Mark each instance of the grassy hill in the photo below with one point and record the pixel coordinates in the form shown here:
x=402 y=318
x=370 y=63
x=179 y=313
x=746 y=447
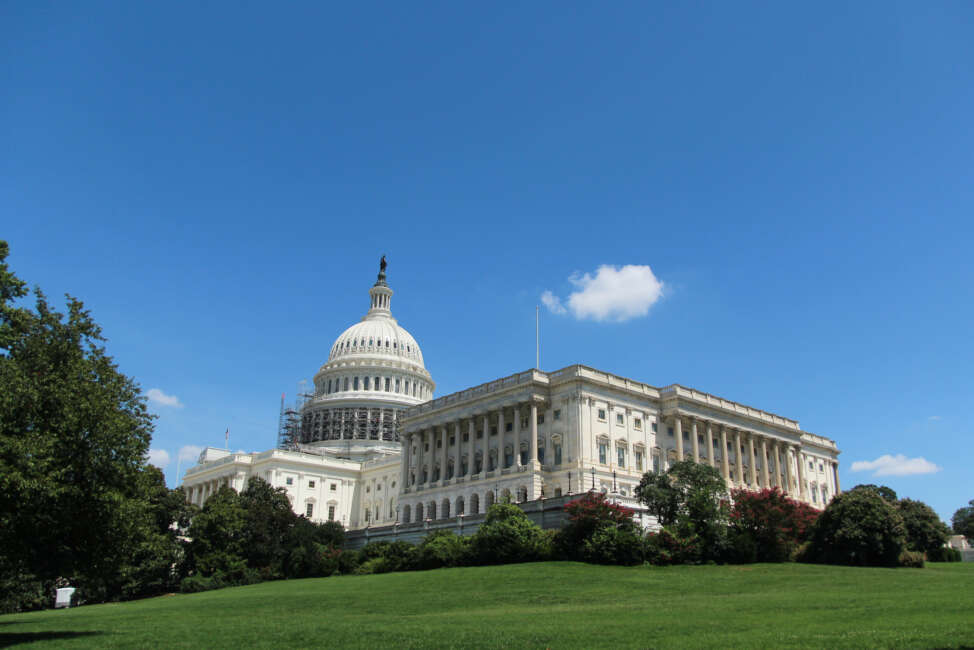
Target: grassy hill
x=552 y=604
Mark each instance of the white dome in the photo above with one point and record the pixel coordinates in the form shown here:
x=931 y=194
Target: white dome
x=376 y=336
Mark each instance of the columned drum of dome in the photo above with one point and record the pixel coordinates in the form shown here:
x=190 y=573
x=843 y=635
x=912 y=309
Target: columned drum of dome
x=374 y=372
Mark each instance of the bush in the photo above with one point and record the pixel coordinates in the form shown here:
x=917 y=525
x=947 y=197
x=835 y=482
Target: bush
x=858 y=528
x=669 y=547
x=768 y=525
x=610 y=545
x=912 y=559
x=944 y=554
x=924 y=530
x=399 y=556
x=443 y=548
x=508 y=536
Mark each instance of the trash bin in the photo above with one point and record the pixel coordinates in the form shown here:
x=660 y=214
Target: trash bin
x=63 y=598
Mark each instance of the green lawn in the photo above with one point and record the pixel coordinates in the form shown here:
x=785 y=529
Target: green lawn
x=552 y=604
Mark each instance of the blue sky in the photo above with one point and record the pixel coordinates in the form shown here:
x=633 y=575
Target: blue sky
x=217 y=183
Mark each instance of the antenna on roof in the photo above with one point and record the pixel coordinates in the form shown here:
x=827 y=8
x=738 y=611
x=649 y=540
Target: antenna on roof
x=537 y=337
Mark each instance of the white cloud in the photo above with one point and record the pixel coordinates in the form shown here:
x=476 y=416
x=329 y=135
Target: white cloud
x=553 y=303
x=158 y=397
x=612 y=294
x=933 y=417
x=189 y=453
x=898 y=465
x=159 y=458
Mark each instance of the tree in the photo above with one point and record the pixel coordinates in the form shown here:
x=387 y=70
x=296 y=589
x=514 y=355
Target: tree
x=599 y=531
x=508 y=536
x=770 y=523
x=858 y=528
x=690 y=496
x=74 y=433
x=217 y=535
x=963 y=521
x=924 y=530
x=887 y=493
x=268 y=520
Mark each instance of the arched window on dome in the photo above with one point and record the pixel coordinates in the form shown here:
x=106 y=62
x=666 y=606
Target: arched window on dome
x=355 y=383
x=328 y=392
x=387 y=342
x=365 y=385
x=397 y=384
x=394 y=347
x=346 y=383
x=377 y=385
x=407 y=387
x=370 y=342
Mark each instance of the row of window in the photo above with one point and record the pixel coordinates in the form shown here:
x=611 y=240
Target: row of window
x=478 y=463
x=387 y=384
x=353 y=344
x=637 y=422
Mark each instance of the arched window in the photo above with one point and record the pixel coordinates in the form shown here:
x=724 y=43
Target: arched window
x=522 y=494
x=406 y=511
x=505 y=496
x=557 y=491
x=474 y=504
x=365 y=383
x=431 y=510
x=445 y=509
x=419 y=512
x=355 y=383
x=459 y=506
x=346 y=383
x=488 y=499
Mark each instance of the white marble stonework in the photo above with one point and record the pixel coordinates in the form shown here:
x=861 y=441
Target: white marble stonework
x=579 y=428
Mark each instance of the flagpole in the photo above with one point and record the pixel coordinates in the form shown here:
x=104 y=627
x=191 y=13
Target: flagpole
x=537 y=337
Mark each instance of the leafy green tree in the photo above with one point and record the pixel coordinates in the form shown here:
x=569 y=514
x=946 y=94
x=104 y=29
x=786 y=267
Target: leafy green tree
x=268 y=520
x=74 y=433
x=217 y=535
x=858 y=528
x=963 y=521
x=508 y=536
x=691 y=498
x=887 y=493
x=443 y=548
x=599 y=531
x=924 y=530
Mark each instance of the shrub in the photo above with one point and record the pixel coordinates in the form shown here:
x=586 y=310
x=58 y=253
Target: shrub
x=590 y=518
x=443 y=548
x=508 y=536
x=912 y=559
x=668 y=546
x=858 y=528
x=924 y=530
x=769 y=525
x=399 y=556
x=944 y=554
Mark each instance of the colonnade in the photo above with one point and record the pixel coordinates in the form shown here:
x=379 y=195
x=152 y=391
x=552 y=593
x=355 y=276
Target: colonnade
x=777 y=468
x=470 y=447
x=200 y=492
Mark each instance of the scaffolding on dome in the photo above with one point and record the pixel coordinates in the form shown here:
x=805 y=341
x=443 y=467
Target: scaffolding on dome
x=289 y=425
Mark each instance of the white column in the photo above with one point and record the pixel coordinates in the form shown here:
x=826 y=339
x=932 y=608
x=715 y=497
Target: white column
x=472 y=439
x=740 y=458
x=710 y=445
x=835 y=472
x=678 y=433
x=533 y=429
x=765 y=483
x=405 y=441
x=776 y=474
x=754 y=468
x=788 y=471
x=802 y=488
x=693 y=435
x=501 y=436
x=445 y=434
x=457 y=462
x=486 y=422
x=517 y=435
x=420 y=457
x=724 y=456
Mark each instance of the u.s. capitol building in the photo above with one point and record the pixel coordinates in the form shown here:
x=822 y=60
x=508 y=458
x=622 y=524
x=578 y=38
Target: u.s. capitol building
x=376 y=449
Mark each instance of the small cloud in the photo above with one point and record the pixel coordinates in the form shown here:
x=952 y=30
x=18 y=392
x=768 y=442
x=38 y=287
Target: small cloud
x=613 y=294
x=189 y=453
x=933 y=417
x=898 y=465
x=156 y=396
x=553 y=303
x=159 y=458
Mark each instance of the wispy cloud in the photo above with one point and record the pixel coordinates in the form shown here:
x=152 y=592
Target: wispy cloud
x=933 y=417
x=898 y=465
x=159 y=457
x=189 y=453
x=156 y=396
x=610 y=294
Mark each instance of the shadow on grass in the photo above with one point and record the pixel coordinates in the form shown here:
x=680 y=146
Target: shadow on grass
x=8 y=639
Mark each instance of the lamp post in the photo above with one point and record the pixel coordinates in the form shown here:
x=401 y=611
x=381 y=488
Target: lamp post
x=593 y=479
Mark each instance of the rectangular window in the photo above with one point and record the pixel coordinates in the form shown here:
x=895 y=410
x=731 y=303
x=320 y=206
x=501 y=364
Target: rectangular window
x=639 y=461
x=620 y=419
x=558 y=414
x=622 y=456
x=669 y=432
x=310 y=510
x=453 y=441
x=602 y=452
x=540 y=418
x=387 y=384
x=289 y=481
x=656 y=464
x=493 y=431
x=365 y=383
x=557 y=454
x=602 y=414
x=700 y=438
x=397 y=385
x=508 y=426
x=638 y=424
x=331 y=513
x=311 y=484
x=654 y=427
x=811 y=465
x=333 y=487
x=355 y=383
